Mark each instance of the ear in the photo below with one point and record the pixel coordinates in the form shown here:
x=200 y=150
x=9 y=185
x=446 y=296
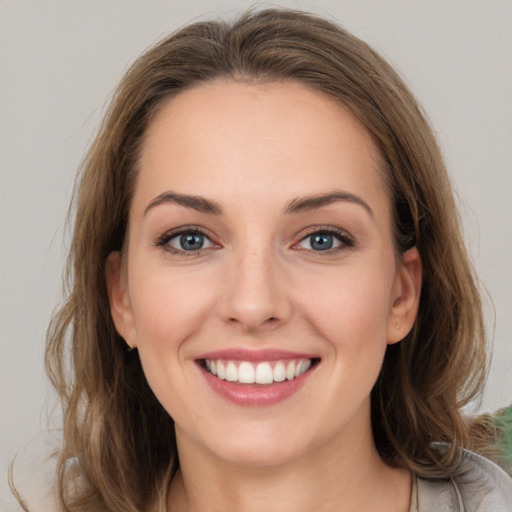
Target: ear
x=120 y=307
x=406 y=296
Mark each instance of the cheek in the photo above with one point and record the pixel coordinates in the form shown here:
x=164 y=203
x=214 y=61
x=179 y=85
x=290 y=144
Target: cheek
x=168 y=311
x=167 y=307
x=350 y=307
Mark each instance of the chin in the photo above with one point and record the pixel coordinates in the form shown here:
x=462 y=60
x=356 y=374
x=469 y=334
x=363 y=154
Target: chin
x=260 y=453
x=248 y=443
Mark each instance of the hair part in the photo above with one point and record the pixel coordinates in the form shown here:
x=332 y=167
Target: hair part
x=113 y=423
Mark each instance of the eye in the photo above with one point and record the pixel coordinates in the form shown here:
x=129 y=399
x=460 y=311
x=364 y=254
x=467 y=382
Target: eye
x=325 y=240
x=191 y=240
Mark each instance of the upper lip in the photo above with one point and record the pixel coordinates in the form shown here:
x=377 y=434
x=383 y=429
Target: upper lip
x=268 y=354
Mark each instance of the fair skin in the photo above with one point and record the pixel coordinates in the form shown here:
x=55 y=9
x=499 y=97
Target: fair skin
x=260 y=272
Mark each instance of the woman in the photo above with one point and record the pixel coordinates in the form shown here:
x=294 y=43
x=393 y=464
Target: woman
x=270 y=301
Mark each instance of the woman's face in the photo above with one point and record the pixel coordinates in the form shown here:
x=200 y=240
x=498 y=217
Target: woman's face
x=260 y=249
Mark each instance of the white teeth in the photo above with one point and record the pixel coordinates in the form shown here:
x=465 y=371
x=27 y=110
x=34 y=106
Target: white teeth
x=279 y=372
x=264 y=374
x=245 y=372
x=231 y=372
x=221 y=371
x=290 y=370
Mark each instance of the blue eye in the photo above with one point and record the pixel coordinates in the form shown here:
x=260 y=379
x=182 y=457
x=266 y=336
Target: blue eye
x=321 y=242
x=326 y=240
x=191 y=241
x=185 y=241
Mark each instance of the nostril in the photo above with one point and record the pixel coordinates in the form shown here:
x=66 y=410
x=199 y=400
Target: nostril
x=272 y=320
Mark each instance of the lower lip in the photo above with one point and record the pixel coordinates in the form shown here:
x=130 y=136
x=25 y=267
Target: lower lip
x=256 y=395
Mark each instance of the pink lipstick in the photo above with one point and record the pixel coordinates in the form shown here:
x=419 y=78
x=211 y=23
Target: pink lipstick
x=256 y=378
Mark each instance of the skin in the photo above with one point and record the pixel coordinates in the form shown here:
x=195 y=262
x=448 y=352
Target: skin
x=258 y=283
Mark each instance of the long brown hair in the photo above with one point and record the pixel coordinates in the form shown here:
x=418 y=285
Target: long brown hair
x=113 y=425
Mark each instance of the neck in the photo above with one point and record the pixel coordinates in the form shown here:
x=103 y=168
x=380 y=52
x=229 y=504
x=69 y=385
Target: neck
x=338 y=475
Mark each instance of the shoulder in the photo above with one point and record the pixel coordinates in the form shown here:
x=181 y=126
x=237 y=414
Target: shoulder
x=481 y=486
x=484 y=485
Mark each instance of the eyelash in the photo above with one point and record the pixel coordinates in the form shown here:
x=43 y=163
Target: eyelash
x=164 y=240
x=346 y=241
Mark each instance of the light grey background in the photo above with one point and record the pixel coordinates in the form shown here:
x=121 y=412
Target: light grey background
x=60 y=60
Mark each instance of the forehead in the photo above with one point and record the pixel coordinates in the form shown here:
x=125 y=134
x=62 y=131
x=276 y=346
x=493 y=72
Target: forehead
x=274 y=138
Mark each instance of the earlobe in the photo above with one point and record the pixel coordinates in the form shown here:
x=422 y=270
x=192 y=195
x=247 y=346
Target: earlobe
x=406 y=296
x=120 y=307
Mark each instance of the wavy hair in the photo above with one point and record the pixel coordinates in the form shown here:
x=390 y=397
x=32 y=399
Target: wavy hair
x=114 y=426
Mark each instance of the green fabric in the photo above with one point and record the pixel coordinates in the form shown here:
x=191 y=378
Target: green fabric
x=504 y=423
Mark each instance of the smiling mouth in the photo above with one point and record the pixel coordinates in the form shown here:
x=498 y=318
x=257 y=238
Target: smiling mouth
x=263 y=373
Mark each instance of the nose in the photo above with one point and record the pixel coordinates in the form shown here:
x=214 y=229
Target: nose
x=256 y=296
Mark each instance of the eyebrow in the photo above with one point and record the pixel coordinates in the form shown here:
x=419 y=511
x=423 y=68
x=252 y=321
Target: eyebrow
x=305 y=204
x=298 y=205
x=195 y=202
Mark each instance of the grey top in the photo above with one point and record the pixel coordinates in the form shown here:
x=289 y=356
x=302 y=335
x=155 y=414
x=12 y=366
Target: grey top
x=482 y=487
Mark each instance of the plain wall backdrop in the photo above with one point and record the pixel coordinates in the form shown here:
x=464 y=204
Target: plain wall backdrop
x=59 y=62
